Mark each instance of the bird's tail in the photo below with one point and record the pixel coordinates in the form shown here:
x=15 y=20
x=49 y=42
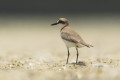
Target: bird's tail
x=88 y=45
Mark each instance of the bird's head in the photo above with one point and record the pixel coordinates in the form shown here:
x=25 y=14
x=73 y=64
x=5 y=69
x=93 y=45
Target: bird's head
x=63 y=21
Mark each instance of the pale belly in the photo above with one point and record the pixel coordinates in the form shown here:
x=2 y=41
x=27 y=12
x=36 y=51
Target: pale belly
x=71 y=44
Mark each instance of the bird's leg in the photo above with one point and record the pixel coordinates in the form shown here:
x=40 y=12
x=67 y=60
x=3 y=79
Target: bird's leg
x=77 y=55
x=68 y=55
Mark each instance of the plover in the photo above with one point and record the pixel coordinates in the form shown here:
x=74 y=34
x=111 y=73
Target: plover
x=70 y=37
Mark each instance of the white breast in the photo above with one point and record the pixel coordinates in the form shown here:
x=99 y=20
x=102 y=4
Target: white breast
x=71 y=44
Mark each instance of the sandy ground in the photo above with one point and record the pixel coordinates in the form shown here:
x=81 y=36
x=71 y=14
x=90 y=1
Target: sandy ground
x=32 y=50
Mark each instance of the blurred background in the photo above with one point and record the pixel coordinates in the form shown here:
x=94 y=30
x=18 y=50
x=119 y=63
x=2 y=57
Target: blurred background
x=56 y=6
x=25 y=30
x=27 y=22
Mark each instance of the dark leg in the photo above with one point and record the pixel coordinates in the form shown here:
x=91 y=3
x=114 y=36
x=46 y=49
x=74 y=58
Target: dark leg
x=68 y=55
x=77 y=55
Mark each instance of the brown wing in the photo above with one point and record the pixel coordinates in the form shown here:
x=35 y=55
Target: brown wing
x=70 y=35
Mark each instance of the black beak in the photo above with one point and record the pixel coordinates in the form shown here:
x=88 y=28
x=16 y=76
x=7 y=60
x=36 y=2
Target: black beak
x=54 y=24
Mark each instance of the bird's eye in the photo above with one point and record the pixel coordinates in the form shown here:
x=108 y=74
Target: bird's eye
x=61 y=22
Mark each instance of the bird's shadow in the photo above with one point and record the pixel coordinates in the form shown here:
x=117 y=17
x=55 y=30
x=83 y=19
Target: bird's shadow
x=80 y=63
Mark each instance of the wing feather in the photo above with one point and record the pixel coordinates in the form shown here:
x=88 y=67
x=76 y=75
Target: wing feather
x=72 y=36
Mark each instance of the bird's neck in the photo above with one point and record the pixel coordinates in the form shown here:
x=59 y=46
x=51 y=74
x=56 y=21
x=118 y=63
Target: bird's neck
x=65 y=25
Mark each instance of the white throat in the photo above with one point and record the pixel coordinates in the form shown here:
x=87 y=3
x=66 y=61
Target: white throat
x=62 y=25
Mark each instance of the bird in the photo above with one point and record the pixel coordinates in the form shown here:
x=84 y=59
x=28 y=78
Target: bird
x=70 y=37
